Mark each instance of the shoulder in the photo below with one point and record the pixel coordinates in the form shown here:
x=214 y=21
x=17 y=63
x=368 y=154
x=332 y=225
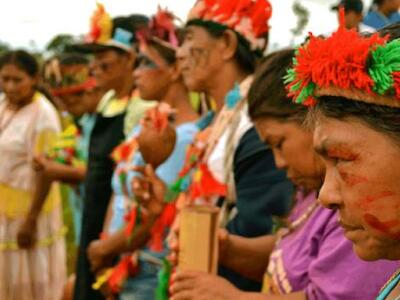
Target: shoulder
x=372 y=19
x=249 y=145
x=187 y=131
x=372 y=15
x=395 y=17
x=110 y=106
x=47 y=115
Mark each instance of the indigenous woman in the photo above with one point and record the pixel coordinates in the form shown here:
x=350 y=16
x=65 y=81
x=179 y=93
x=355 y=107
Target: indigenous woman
x=32 y=248
x=310 y=258
x=357 y=134
x=230 y=165
x=157 y=77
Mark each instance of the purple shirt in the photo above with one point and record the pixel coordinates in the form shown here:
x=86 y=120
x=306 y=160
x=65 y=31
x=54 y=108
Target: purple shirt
x=318 y=259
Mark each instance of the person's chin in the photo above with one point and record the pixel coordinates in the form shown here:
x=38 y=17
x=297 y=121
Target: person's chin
x=144 y=96
x=192 y=84
x=308 y=185
x=366 y=254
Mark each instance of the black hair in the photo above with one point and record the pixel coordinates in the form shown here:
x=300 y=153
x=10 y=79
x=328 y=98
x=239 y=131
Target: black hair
x=22 y=59
x=383 y=119
x=244 y=56
x=267 y=96
x=168 y=54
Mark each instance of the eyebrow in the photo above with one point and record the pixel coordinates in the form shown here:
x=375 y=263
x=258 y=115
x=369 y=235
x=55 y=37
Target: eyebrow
x=271 y=139
x=323 y=149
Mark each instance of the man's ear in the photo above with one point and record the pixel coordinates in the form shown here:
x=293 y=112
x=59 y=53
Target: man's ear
x=131 y=58
x=175 y=71
x=230 y=44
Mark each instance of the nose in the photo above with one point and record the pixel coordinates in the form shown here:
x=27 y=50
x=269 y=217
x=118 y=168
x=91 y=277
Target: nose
x=182 y=53
x=96 y=69
x=280 y=161
x=137 y=72
x=329 y=195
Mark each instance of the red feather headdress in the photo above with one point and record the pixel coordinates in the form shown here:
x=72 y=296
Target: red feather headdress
x=161 y=30
x=249 y=18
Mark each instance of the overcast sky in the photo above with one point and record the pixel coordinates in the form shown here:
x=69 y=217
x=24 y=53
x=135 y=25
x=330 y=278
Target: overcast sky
x=32 y=23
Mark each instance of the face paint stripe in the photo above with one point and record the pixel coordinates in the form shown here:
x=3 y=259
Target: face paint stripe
x=384 y=227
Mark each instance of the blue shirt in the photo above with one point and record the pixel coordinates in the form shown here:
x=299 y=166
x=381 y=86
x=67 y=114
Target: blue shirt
x=378 y=20
x=168 y=171
x=86 y=123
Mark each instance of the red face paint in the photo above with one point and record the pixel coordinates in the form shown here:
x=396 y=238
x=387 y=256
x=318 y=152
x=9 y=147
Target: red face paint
x=338 y=152
x=373 y=198
x=352 y=180
x=366 y=202
x=384 y=227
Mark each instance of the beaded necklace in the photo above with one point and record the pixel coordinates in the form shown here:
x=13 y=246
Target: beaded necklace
x=293 y=226
x=392 y=282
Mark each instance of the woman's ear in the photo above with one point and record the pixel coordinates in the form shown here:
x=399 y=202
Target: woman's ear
x=230 y=44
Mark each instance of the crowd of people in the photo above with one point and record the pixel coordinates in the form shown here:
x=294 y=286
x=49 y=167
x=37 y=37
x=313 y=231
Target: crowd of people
x=109 y=142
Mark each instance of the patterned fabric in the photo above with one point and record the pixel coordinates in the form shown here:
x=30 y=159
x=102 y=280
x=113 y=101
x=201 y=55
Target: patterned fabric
x=143 y=285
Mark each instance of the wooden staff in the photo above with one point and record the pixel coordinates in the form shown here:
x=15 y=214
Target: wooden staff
x=198 y=241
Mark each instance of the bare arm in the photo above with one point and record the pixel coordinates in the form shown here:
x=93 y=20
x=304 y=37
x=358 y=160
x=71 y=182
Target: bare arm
x=69 y=174
x=109 y=215
x=150 y=192
x=27 y=232
x=247 y=256
x=42 y=188
x=102 y=251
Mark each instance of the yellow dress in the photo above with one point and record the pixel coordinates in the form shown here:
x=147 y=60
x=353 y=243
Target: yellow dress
x=38 y=273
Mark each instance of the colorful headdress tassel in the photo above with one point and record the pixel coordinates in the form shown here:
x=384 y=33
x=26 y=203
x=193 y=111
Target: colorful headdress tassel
x=100 y=26
x=370 y=66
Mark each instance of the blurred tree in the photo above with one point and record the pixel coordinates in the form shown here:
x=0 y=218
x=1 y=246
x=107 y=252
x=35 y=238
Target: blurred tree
x=4 y=47
x=59 y=43
x=302 y=14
